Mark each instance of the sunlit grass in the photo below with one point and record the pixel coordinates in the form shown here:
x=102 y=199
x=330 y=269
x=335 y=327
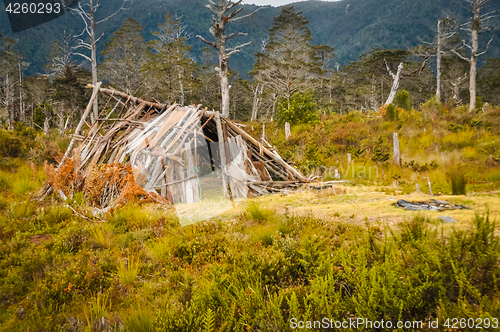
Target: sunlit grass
x=469 y=153
x=159 y=249
x=95 y=311
x=258 y=213
x=102 y=235
x=128 y=269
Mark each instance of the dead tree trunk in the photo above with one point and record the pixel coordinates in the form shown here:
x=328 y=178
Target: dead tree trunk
x=439 y=54
x=477 y=22
x=456 y=88
x=395 y=83
x=257 y=101
x=218 y=30
x=89 y=30
x=287 y=131
x=9 y=105
x=395 y=142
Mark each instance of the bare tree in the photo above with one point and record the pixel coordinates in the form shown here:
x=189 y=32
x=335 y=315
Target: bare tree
x=87 y=10
x=395 y=82
x=477 y=23
x=220 y=18
x=399 y=74
x=257 y=100
x=445 y=29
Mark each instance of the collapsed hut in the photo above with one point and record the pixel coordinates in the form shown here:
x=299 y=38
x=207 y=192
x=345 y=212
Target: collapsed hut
x=177 y=151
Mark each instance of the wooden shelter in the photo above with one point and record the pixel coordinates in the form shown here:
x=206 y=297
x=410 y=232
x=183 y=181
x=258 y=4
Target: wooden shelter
x=172 y=148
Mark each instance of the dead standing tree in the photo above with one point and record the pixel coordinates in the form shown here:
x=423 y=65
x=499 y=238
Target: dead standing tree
x=87 y=12
x=399 y=74
x=474 y=26
x=218 y=29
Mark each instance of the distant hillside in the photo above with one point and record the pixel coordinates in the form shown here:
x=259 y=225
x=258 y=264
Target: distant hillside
x=352 y=27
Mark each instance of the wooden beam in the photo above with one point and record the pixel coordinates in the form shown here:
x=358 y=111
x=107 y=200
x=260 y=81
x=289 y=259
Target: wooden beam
x=291 y=169
x=113 y=92
x=222 y=153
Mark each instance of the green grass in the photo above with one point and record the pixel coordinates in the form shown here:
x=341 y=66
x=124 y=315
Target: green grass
x=494 y=175
x=258 y=213
x=95 y=311
x=128 y=270
x=5 y=181
x=159 y=249
x=140 y=319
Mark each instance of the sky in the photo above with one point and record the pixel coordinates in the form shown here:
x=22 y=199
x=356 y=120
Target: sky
x=274 y=3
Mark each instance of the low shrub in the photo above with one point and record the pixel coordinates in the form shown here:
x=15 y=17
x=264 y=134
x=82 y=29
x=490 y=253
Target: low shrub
x=458 y=183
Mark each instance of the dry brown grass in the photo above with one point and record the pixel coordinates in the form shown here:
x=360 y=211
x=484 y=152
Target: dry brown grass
x=358 y=205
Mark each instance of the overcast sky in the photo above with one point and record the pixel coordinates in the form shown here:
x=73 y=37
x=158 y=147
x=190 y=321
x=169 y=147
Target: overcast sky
x=273 y=2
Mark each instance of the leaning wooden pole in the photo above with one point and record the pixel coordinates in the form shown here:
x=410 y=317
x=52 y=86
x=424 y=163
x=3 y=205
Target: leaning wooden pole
x=222 y=152
x=82 y=121
x=113 y=92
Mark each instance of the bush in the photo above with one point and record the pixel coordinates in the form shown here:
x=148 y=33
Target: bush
x=458 y=183
x=403 y=100
x=302 y=109
x=392 y=113
x=259 y=214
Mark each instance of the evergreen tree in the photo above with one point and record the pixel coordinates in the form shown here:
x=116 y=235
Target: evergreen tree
x=289 y=62
x=489 y=81
x=208 y=82
x=123 y=57
x=66 y=86
x=169 y=67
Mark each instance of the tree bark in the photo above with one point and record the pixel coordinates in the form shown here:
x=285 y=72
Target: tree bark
x=82 y=121
x=218 y=30
x=222 y=153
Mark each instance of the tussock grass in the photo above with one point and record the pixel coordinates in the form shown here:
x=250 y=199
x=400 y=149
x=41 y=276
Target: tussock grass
x=95 y=311
x=140 y=319
x=128 y=270
x=55 y=215
x=469 y=153
x=258 y=213
x=26 y=180
x=5 y=181
x=159 y=249
x=22 y=210
x=102 y=235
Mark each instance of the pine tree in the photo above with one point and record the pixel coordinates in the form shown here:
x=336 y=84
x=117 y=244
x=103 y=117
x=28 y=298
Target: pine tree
x=123 y=57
